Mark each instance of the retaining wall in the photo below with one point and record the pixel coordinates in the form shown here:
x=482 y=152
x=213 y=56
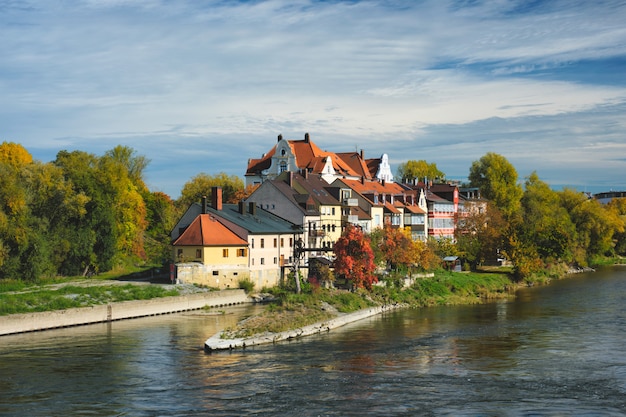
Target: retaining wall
x=21 y=323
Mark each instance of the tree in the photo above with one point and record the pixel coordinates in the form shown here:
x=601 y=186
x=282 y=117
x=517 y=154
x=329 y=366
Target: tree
x=545 y=222
x=397 y=248
x=596 y=225
x=354 y=258
x=419 y=171
x=480 y=234
x=133 y=164
x=202 y=184
x=161 y=216
x=497 y=180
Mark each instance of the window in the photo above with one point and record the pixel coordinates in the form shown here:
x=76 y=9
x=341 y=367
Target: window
x=198 y=253
x=252 y=243
x=275 y=242
x=282 y=242
x=180 y=253
x=333 y=210
x=241 y=252
x=215 y=273
x=283 y=166
x=252 y=261
x=262 y=261
x=275 y=260
x=333 y=227
x=262 y=243
x=225 y=253
x=291 y=242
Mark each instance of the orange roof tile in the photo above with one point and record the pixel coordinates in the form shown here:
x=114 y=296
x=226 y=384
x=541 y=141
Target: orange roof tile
x=205 y=230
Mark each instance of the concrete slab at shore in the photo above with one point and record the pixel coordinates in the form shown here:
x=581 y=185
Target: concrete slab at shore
x=29 y=322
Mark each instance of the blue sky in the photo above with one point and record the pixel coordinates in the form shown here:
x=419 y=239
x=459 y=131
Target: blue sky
x=202 y=86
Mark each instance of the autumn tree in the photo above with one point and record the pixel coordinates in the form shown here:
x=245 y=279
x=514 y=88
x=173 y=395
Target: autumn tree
x=419 y=171
x=480 y=233
x=202 y=184
x=354 y=258
x=397 y=248
x=497 y=180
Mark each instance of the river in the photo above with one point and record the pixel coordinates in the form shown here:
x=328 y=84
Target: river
x=558 y=350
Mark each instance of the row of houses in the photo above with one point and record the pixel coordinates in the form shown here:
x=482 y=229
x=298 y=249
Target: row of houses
x=304 y=199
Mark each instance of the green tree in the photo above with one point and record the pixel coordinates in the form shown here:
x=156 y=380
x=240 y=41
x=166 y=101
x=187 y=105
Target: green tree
x=596 y=225
x=161 y=217
x=546 y=224
x=419 y=171
x=202 y=185
x=497 y=180
x=354 y=258
x=94 y=236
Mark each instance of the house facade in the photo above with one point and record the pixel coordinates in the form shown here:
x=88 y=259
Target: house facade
x=268 y=241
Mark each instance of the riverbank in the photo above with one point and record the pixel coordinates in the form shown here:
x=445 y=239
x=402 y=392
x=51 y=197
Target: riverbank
x=217 y=342
x=30 y=322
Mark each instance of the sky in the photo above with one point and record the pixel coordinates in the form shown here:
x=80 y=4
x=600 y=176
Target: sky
x=202 y=86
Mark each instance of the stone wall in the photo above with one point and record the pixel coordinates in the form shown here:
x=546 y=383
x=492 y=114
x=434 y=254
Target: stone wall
x=20 y=323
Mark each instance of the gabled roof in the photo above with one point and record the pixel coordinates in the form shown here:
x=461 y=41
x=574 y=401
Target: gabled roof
x=313 y=185
x=308 y=156
x=356 y=162
x=205 y=230
x=375 y=187
x=259 y=222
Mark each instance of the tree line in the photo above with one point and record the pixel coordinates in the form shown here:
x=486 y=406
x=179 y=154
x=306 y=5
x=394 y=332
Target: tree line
x=85 y=214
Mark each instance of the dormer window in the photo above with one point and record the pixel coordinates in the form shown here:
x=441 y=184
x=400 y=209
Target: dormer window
x=283 y=166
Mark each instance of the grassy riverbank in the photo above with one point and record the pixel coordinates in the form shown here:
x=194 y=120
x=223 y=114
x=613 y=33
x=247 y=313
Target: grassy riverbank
x=291 y=311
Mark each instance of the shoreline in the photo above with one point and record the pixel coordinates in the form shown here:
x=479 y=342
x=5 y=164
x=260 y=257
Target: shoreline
x=124 y=310
x=216 y=343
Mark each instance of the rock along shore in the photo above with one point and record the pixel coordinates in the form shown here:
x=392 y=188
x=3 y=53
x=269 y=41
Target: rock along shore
x=30 y=322
x=215 y=342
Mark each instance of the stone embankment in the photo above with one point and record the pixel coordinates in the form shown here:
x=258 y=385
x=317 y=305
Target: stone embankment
x=30 y=322
x=216 y=342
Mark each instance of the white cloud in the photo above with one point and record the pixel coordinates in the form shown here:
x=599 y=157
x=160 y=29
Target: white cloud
x=371 y=74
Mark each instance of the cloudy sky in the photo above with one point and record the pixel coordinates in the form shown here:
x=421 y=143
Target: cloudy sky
x=201 y=86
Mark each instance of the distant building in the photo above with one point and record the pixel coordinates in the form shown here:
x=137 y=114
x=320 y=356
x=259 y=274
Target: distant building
x=607 y=196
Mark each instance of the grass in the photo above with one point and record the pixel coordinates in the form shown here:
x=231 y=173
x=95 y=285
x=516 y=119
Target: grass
x=72 y=296
x=297 y=310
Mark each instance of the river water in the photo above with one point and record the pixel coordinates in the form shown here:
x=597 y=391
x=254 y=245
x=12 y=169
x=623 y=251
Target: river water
x=558 y=350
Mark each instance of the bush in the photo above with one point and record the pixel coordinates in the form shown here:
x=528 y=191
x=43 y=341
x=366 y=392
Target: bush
x=246 y=284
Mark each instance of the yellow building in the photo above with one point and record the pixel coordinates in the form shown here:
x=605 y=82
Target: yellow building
x=208 y=253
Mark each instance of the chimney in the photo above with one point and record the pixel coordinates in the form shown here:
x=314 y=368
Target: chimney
x=252 y=208
x=280 y=137
x=216 y=198
x=362 y=155
x=383 y=182
x=242 y=207
x=362 y=179
x=306 y=138
x=203 y=204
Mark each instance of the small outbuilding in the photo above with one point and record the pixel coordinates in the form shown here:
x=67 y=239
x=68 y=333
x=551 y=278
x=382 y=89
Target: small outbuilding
x=452 y=263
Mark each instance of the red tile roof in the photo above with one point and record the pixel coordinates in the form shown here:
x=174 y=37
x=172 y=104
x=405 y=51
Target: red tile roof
x=205 y=230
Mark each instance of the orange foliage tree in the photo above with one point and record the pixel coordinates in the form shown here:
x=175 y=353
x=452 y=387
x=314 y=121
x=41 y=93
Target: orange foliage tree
x=354 y=258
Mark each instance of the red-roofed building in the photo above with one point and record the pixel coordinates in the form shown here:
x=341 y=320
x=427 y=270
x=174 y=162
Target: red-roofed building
x=211 y=245
x=300 y=156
